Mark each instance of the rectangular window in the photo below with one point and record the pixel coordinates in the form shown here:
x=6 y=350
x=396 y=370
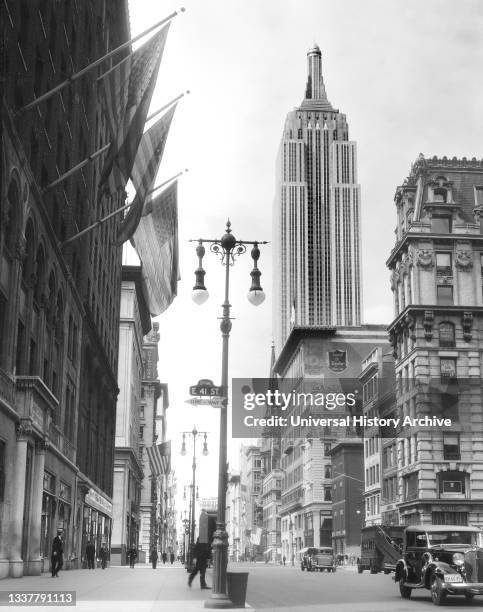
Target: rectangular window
x=327 y=494
x=450 y=518
x=452 y=486
x=451 y=447
x=444 y=264
x=448 y=368
x=444 y=295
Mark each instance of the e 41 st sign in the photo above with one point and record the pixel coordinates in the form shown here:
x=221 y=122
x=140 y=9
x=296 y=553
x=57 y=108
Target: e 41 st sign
x=206 y=390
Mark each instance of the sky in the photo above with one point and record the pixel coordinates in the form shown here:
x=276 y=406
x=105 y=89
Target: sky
x=407 y=73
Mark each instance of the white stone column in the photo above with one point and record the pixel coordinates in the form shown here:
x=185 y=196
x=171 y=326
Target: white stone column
x=316 y=526
x=34 y=561
x=18 y=499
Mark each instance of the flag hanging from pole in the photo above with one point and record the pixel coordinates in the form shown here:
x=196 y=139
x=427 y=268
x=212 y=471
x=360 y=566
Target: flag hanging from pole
x=144 y=171
x=160 y=458
x=156 y=243
x=128 y=89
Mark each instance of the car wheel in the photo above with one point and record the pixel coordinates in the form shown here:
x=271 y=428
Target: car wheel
x=360 y=569
x=373 y=569
x=386 y=572
x=404 y=590
x=438 y=594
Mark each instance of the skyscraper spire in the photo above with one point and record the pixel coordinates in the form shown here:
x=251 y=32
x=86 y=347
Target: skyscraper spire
x=315 y=89
x=316 y=216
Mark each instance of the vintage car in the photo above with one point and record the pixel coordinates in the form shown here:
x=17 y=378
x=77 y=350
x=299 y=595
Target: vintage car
x=317 y=559
x=446 y=559
x=324 y=559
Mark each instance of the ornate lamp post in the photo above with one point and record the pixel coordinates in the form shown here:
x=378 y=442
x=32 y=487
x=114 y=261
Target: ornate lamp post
x=194 y=433
x=227 y=248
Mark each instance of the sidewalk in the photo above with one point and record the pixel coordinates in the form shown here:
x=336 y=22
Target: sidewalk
x=119 y=589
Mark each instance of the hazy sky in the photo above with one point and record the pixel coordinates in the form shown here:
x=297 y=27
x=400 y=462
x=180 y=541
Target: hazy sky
x=408 y=75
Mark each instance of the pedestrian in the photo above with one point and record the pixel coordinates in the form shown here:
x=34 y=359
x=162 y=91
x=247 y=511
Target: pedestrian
x=171 y=558
x=57 y=557
x=90 y=554
x=284 y=559
x=153 y=557
x=201 y=553
x=164 y=557
x=132 y=555
x=103 y=556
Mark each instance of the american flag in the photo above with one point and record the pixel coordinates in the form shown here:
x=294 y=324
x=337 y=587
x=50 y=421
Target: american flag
x=156 y=243
x=160 y=458
x=127 y=90
x=144 y=171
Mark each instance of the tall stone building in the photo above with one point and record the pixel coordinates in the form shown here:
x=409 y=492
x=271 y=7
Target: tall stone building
x=312 y=357
x=59 y=307
x=316 y=216
x=154 y=402
x=135 y=323
x=437 y=336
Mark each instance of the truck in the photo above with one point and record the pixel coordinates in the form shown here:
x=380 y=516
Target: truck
x=380 y=548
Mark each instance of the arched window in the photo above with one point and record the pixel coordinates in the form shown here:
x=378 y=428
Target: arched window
x=52 y=298
x=13 y=216
x=38 y=274
x=59 y=318
x=446 y=334
x=29 y=261
x=440 y=194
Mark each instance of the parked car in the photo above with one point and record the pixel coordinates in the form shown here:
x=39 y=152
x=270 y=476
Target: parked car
x=317 y=559
x=446 y=559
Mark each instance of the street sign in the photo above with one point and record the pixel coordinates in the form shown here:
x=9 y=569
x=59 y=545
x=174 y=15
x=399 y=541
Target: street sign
x=206 y=390
x=216 y=402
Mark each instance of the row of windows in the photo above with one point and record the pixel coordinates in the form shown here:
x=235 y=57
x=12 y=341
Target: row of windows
x=372 y=475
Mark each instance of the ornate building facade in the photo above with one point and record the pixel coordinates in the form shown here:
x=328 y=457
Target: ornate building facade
x=437 y=282
x=59 y=304
x=316 y=216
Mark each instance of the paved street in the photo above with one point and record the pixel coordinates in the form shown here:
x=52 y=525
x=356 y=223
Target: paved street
x=270 y=588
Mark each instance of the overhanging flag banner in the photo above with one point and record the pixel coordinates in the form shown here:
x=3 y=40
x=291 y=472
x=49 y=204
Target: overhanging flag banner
x=160 y=458
x=144 y=171
x=128 y=98
x=156 y=242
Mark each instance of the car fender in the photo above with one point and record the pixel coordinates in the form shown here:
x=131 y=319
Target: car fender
x=401 y=570
x=438 y=568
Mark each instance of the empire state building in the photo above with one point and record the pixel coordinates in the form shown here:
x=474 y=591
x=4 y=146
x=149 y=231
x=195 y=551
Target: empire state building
x=316 y=216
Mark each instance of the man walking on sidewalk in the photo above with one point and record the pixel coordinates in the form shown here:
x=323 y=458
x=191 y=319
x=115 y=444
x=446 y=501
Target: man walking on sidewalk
x=201 y=553
x=90 y=554
x=131 y=555
x=57 y=554
x=153 y=557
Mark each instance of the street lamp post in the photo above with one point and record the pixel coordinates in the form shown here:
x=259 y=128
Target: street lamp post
x=193 y=433
x=227 y=247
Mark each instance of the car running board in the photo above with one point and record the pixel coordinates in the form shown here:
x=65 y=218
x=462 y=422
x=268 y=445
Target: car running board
x=414 y=585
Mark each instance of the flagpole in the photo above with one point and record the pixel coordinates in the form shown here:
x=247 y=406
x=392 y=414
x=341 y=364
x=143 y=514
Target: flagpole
x=79 y=166
x=102 y=150
x=93 y=64
x=89 y=228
